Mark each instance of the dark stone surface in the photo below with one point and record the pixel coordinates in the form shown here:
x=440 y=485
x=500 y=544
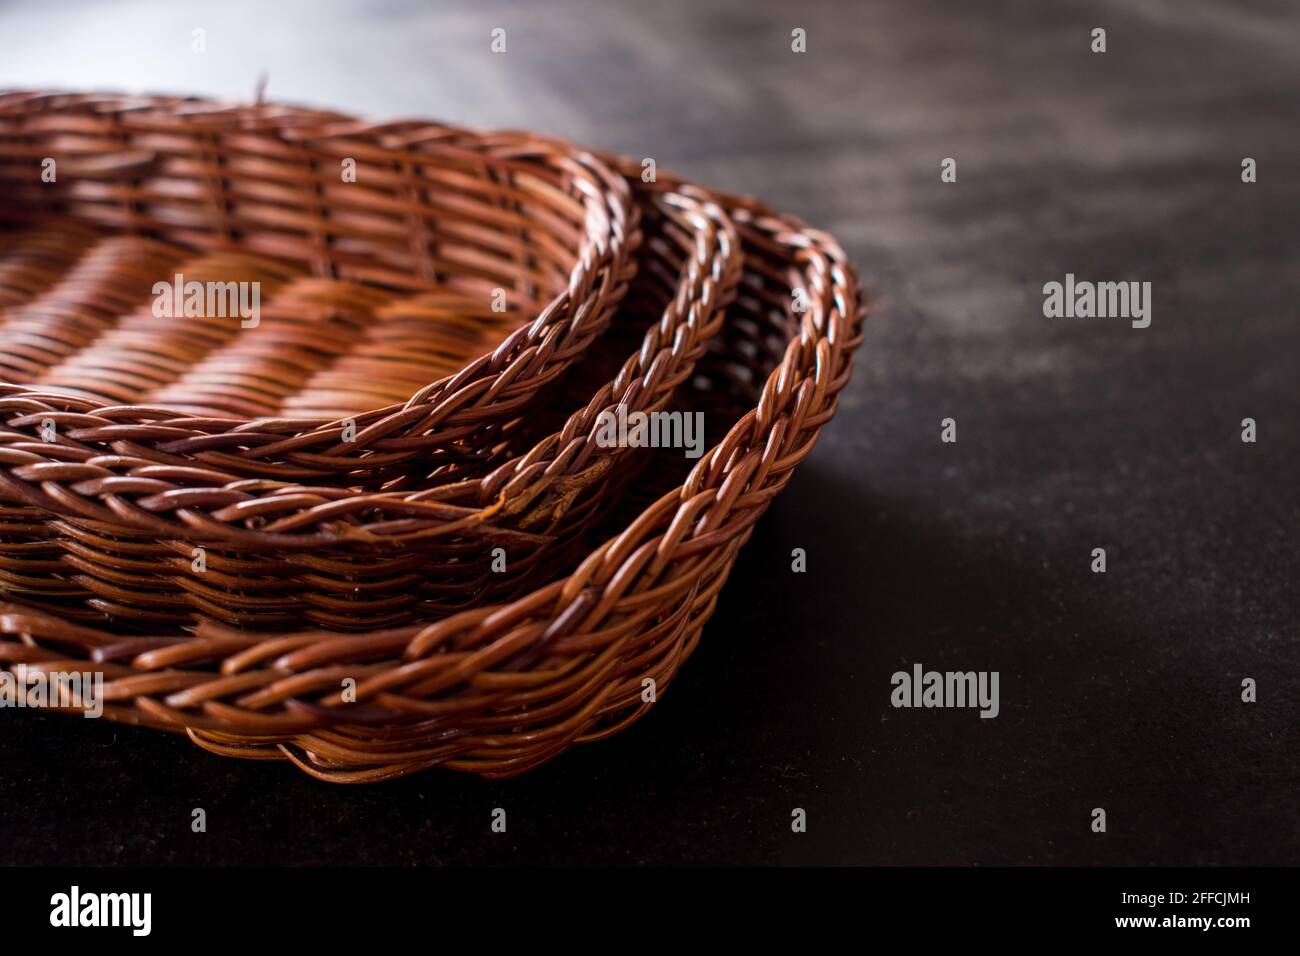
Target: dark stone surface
x=1118 y=691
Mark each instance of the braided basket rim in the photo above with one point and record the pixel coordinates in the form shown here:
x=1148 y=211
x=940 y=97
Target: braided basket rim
x=503 y=688
x=604 y=268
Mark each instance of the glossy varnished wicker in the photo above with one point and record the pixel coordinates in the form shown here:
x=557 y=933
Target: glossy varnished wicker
x=383 y=259
x=502 y=687
x=90 y=535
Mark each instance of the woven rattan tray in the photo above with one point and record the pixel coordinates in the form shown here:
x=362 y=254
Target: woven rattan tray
x=634 y=566
x=90 y=536
x=380 y=287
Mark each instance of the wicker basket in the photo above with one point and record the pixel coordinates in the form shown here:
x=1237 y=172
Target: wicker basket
x=92 y=535
x=118 y=537
x=500 y=688
x=89 y=537
x=379 y=344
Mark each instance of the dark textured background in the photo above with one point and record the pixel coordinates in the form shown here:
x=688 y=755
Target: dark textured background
x=1118 y=690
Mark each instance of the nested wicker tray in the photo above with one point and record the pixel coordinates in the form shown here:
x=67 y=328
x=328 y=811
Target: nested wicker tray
x=115 y=534
x=95 y=536
x=502 y=687
x=379 y=293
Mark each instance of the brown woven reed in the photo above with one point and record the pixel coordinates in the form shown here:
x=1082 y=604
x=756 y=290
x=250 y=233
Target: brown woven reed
x=500 y=688
x=279 y=552
x=332 y=556
x=380 y=291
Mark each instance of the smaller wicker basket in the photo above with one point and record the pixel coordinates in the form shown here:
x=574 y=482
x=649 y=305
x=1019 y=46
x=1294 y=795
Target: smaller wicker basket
x=380 y=291
x=91 y=536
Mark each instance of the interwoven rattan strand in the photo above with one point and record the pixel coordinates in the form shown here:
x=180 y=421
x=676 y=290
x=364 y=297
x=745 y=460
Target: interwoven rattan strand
x=503 y=685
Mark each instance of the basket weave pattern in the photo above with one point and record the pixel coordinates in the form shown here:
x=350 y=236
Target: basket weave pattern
x=621 y=567
x=332 y=556
x=439 y=223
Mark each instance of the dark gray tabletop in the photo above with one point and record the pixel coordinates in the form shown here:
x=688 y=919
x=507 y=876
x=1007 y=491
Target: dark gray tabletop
x=1119 y=690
